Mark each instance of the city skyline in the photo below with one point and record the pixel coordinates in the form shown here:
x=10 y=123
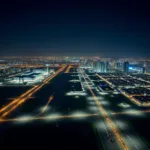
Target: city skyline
x=64 y=102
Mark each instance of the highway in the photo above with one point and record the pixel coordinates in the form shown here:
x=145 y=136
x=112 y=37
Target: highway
x=110 y=123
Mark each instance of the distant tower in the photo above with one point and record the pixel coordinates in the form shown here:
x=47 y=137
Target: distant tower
x=126 y=67
x=118 y=65
x=47 y=65
x=107 y=66
x=143 y=70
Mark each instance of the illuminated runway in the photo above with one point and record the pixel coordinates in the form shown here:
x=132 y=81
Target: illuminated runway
x=21 y=99
x=48 y=118
x=131 y=112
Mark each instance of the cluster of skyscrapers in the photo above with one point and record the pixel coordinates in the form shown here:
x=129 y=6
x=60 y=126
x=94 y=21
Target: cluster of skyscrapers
x=103 y=66
x=100 y=66
x=126 y=67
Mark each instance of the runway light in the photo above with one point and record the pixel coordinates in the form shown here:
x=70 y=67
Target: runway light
x=79 y=115
x=135 y=113
x=115 y=92
x=103 y=93
x=131 y=112
x=24 y=119
x=134 y=141
x=72 y=93
x=104 y=102
x=93 y=108
x=121 y=124
x=124 y=105
x=47 y=108
x=90 y=98
x=101 y=126
x=111 y=95
x=76 y=96
x=91 y=103
x=53 y=116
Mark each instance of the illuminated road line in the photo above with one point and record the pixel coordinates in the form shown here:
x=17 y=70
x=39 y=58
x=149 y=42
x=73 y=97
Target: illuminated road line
x=16 y=100
x=110 y=84
x=107 y=118
x=27 y=95
x=32 y=92
x=131 y=98
x=49 y=100
x=13 y=108
x=49 y=117
x=68 y=69
x=131 y=112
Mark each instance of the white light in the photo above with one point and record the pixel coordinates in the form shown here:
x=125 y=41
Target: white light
x=103 y=93
x=133 y=112
x=53 y=116
x=124 y=105
x=104 y=102
x=91 y=102
x=121 y=124
x=24 y=119
x=72 y=93
x=134 y=141
x=112 y=96
x=101 y=126
x=76 y=96
x=116 y=92
x=79 y=115
x=98 y=97
x=43 y=108
x=93 y=108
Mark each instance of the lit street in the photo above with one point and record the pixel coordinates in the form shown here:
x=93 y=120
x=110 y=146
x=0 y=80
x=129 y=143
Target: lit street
x=70 y=98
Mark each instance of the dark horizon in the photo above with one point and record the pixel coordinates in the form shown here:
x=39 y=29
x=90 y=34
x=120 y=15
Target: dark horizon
x=107 y=29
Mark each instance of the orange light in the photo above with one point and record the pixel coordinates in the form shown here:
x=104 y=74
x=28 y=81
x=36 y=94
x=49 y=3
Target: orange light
x=21 y=99
x=107 y=118
x=68 y=69
x=49 y=117
x=49 y=100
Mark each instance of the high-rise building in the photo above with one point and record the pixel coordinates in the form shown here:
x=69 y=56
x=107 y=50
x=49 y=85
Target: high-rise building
x=126 y=67
x=118 y=65
x=97 y=66
x=100 y=66
x=89 y=64
x=107 y=66
x=143 y=70
x=103 y=67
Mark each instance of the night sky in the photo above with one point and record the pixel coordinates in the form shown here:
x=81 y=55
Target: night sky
x=88 y=28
